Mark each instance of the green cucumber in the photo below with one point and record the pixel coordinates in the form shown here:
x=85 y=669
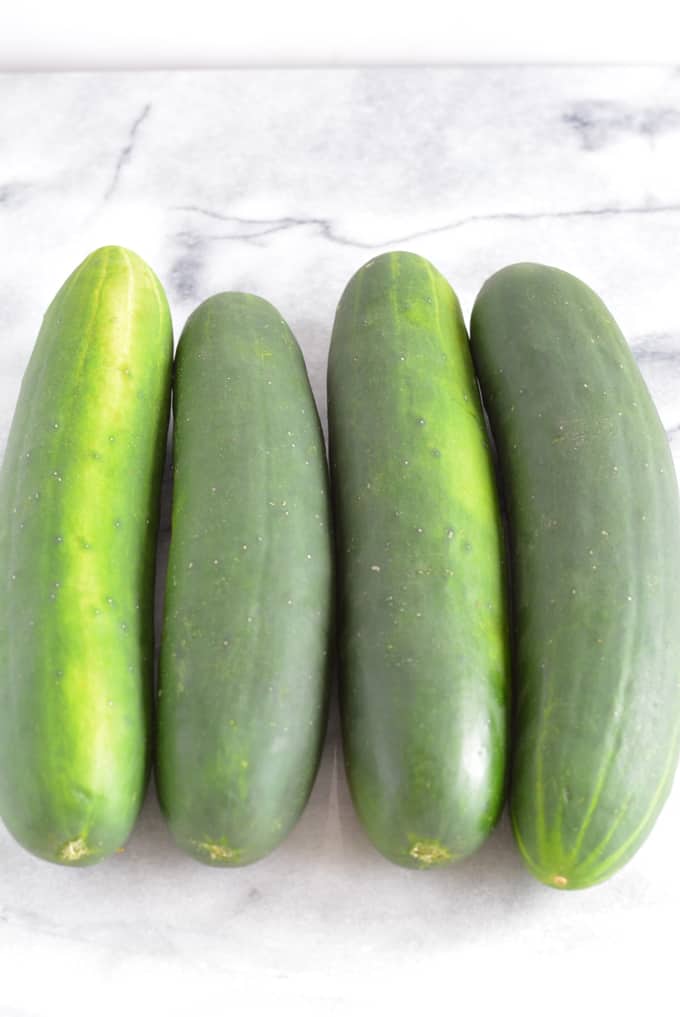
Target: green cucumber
x=244 y=656
x=79 y=501
x=424 y=639
x=595 y=543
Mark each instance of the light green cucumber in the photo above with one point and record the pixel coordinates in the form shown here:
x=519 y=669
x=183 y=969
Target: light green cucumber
x=79 y=500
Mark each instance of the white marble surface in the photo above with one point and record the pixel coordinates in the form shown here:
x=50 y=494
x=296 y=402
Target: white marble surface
x=304 y=33
x=283 y=183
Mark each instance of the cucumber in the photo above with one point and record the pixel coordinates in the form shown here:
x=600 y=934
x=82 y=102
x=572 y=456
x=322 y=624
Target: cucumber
x=424 y=634
x=245 y=650
x=79 y=501
x=595 y=545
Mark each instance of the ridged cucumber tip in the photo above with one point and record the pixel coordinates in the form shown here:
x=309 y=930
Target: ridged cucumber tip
x=528 y=272
x=559 y=881
x=234 y=300
x=560 y=876
x=389 y=265
x=74 y=851
x=390 y=257
x=429 y=853
x=235 y=316
x=218 y=852
x=214 y=853
x=114 y=253
x=77 y=853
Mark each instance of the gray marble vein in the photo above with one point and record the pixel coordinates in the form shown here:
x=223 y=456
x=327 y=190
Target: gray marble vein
x=127 y=150
x=599 y=123
x=283 y=183
x=254 y=229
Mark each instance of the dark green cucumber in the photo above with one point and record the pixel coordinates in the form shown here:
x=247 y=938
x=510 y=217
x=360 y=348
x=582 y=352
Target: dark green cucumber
x=423 y=644
x=244 y=657
x=79 y=500
x=595 y=537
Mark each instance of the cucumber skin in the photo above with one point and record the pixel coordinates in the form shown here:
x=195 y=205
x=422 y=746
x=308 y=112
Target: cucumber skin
x=245 y=651
x=595 y=546
x=424 y=653
x=79 y=501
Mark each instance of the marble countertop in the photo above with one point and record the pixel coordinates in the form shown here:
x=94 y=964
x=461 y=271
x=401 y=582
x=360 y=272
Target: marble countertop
x=283 y=183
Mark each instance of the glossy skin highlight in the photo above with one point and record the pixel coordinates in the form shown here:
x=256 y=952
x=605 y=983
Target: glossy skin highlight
x=423 y=640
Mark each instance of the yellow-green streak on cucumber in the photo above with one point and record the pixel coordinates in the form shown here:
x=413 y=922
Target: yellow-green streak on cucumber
x=245 y=651
x=423 y=641
x=79 y=502
x=595 y=540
